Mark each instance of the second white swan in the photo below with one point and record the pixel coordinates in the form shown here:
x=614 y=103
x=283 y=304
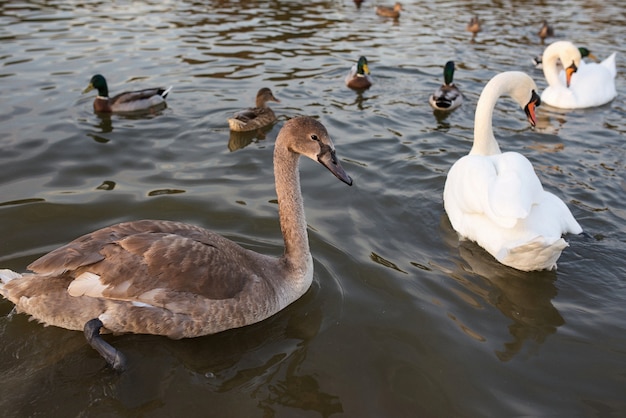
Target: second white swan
x=582 y=84
x=496 y=199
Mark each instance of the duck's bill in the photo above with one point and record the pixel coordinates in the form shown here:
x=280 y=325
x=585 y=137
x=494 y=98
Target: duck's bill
x=329 y=160
x=88 y=88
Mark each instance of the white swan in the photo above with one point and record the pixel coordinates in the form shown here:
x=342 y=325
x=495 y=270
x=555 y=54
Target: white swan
x=582 y=84
x=174 y=279
x=496 y=199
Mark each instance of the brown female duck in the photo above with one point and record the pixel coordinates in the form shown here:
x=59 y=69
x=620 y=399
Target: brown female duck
x=255 y=117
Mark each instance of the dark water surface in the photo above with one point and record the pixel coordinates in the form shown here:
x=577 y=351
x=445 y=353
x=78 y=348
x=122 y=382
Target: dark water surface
x=402 y=319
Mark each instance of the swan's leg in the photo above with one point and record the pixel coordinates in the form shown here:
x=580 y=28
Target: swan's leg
x=112 y=356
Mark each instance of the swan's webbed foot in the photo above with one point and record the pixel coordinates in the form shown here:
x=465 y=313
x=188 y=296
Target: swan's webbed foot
x=113 y=357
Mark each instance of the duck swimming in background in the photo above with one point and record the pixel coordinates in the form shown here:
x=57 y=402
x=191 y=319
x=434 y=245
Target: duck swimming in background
x=496 y=199
x=447 y=97
x=474 y=26
x=545 y=31
x=130 y=101
x=584 y=53
x=175 y=279
x=255 y=117
x=358 y=78
x=582 y=84
x=387 y=11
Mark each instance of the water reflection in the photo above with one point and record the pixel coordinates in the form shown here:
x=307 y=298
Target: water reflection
x=262 y=364
x=270 y=364
x=359 y=100
x=525 y=298
x=239 y=140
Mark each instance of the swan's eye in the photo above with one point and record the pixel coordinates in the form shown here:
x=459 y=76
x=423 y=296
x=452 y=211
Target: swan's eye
x=314 y=137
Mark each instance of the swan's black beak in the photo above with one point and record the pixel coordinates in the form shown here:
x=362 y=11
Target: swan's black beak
x=568 y=73
x=535 y=101
x=329 y=160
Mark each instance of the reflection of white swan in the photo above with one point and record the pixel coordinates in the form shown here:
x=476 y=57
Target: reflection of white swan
x=582 y=84
x=524 y=299
x=496 y=199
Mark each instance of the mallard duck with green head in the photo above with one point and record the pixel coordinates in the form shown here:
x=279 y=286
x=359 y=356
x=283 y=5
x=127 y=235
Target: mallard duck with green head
x=358 y=78
x=129 y=101
x=255 y=117
x=447 y=97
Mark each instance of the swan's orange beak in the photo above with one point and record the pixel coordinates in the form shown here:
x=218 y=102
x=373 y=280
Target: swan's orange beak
x=534 y=102
x=568 y=73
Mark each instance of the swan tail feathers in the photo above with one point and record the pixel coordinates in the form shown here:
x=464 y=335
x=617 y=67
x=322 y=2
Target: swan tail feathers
x=538 y=254
x=609 y=63
x=7 y=276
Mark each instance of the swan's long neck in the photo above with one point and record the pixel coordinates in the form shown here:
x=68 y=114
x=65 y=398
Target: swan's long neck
x=484 y=141
x=291 y=210
x=550 y=69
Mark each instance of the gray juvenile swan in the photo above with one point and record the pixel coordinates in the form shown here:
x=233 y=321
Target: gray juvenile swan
x=174 y=279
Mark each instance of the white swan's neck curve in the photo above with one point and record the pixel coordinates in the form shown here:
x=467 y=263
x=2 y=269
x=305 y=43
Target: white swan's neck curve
x=484 y=141
x=516 y=84
x=567 y=53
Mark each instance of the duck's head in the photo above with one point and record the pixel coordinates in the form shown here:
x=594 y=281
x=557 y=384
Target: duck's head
x=584 y=53
x=99 y=83
x=265 y=95
x=361 y=67
x=448 y=72
x=306 y=136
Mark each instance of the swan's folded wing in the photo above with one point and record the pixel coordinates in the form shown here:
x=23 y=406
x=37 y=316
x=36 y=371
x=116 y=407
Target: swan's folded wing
x=513 y=190
x=502 y=187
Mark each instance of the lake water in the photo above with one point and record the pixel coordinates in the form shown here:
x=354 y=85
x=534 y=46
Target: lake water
x=402 y=319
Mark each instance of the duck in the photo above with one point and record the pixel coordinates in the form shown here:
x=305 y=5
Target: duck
x=474 y=26
x=175 y=279
x=584 y=53
x=387 y=11
x=447 y=97
x=545 y=31
x=581 y=85
x=256 y=117
x=358 y=77
x=496 y=199
x=129 y=101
